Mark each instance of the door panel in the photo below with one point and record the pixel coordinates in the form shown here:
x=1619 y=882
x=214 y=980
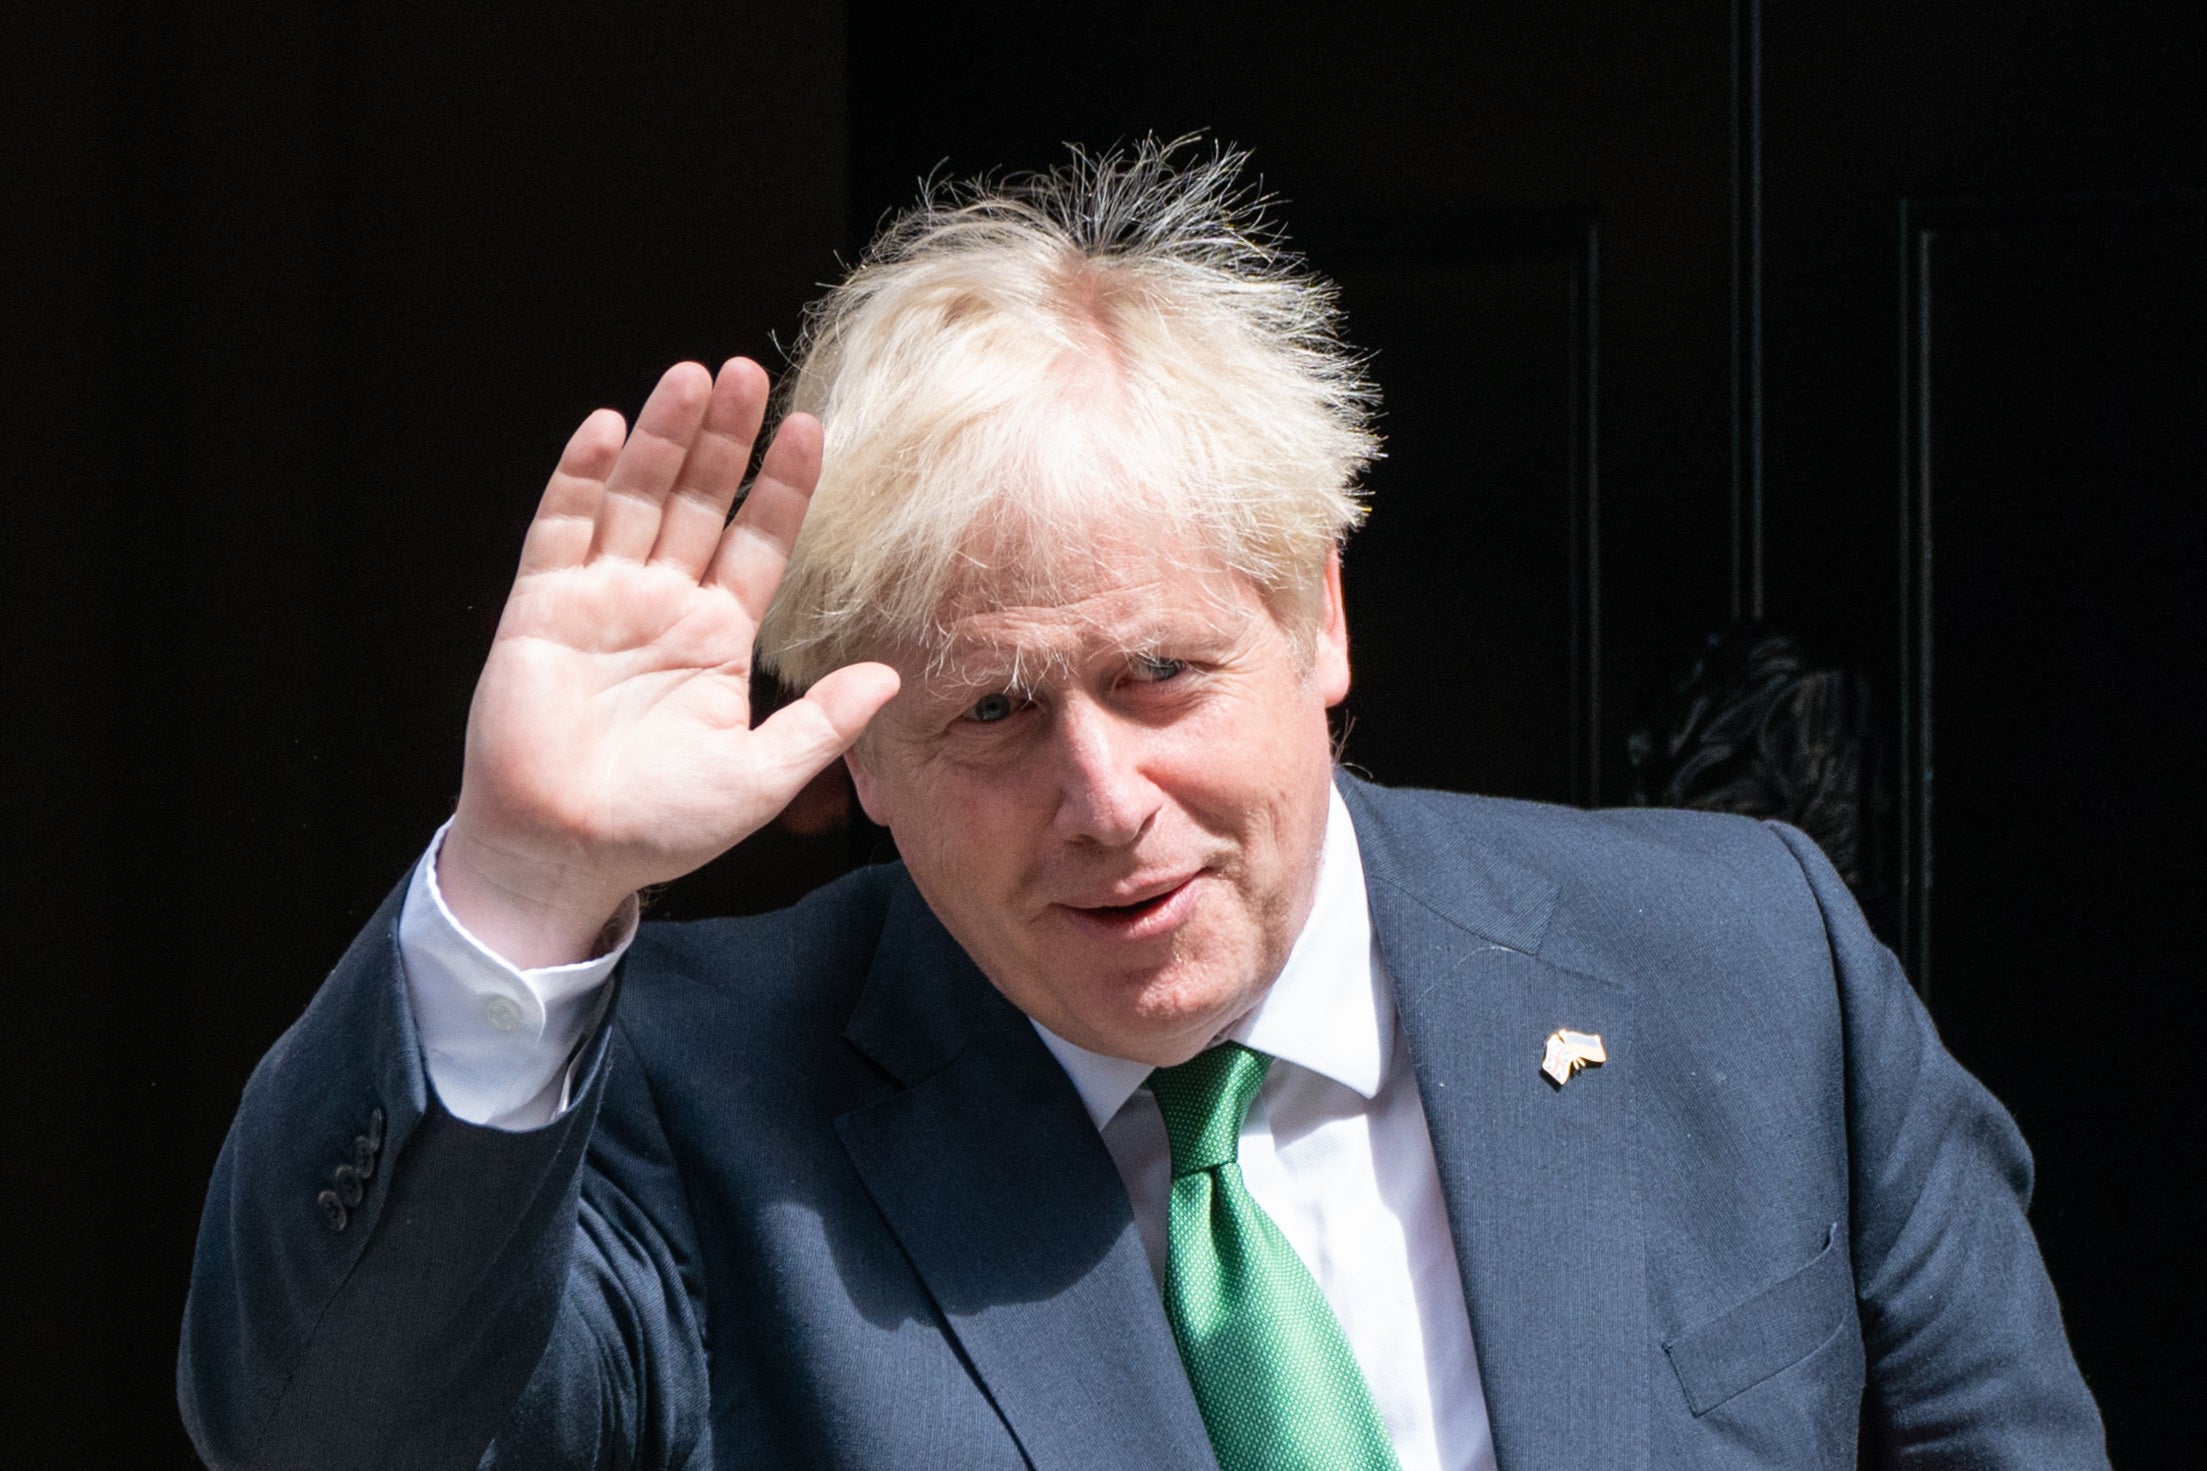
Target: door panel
x=2060 y=504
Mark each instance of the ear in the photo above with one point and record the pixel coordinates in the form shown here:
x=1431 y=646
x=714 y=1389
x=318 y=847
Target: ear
x=869 y=790
x=1330 y=663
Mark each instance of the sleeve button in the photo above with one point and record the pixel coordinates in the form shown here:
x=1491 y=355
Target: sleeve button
x=345 y=1182
x=375 y=1129
x=333 y=1210
x=363 y=1157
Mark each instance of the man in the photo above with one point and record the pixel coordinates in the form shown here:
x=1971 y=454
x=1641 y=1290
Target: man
x=1176 y=1100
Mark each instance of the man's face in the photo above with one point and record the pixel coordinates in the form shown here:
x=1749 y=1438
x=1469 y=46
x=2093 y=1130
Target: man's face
x=1116 y=803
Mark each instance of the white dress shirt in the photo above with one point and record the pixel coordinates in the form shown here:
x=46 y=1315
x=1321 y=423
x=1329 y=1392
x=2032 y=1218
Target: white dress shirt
x=1335 y=1148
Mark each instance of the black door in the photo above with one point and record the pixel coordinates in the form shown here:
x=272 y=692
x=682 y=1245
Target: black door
x=1872 y=339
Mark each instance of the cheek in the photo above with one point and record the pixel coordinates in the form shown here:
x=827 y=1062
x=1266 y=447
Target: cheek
x=967 y=840
x=1281 y=762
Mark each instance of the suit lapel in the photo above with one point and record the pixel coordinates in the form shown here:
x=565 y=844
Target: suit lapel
x=988 y=1171
x=1538 y=1180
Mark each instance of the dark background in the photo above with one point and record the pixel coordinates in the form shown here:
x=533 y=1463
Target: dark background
x=1882 y=321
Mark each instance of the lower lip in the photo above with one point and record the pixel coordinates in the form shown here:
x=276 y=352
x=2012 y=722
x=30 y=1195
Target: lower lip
x=1145 y=921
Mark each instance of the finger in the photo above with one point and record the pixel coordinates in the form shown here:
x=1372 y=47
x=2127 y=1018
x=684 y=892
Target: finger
x=696 y=511
x=567 y=516
x=628 y=518
x=756 y=545
x=806 y=734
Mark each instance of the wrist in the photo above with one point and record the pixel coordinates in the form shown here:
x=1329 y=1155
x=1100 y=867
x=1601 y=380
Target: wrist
x=529 y=910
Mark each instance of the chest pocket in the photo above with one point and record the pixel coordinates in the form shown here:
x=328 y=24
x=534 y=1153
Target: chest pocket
x=1771 y=1331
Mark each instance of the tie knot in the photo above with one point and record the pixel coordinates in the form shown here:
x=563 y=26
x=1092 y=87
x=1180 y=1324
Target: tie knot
x=1204 y=1101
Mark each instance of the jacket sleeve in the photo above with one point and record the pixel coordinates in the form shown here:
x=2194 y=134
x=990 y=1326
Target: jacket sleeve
x=380 y=1284
x=1967 y=1361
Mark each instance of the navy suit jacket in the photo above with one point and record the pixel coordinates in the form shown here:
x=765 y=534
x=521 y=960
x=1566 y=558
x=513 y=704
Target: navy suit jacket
x=825 y=1200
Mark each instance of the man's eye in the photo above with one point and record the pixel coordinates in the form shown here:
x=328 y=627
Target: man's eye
x=1154 y=669
x=990 y=708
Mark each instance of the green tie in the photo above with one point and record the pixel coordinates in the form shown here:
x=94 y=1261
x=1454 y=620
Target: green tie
x=1278 y=1387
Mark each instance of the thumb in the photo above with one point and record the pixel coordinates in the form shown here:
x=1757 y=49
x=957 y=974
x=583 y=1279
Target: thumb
x=799 y=739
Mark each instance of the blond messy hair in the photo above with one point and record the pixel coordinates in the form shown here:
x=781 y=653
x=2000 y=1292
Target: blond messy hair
x=1022 y=371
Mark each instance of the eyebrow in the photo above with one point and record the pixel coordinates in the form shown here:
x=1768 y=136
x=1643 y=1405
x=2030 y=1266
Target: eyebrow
x=960 y=662
x=973 y=664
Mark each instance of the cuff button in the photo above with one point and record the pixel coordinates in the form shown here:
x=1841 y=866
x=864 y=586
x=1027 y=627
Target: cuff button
x=333 y=1210
x=345 y=1182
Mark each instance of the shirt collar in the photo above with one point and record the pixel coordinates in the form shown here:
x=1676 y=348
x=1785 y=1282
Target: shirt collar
x=1330 y=1010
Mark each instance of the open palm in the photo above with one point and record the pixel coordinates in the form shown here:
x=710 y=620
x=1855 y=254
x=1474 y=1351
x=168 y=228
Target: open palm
x=610 y=743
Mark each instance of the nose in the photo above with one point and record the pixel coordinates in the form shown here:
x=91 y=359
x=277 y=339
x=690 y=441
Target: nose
x=1105 y=796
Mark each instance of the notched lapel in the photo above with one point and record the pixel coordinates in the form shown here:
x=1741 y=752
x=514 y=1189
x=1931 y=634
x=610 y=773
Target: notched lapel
x=994 y=1181
x=1538 y=1179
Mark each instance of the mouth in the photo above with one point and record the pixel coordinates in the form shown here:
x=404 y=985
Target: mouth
x=1152 y=910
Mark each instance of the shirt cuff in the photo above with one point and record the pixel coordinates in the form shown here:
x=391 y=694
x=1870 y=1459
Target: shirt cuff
x=500 y=1043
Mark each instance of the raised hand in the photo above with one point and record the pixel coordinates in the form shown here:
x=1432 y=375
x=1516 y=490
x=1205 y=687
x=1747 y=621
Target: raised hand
x=609 y=745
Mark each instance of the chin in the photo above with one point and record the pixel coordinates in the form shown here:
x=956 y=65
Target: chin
x=1174 y=1014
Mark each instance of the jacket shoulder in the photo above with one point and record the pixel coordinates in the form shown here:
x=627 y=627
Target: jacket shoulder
x=797 y=969
x=1551 y=832
x=1629 y=891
